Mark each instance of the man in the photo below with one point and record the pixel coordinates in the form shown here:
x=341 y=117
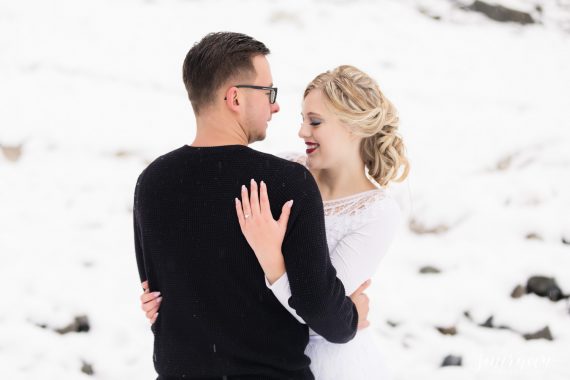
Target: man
x=217 y=318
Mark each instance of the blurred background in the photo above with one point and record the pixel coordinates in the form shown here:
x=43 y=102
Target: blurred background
x=476 y=284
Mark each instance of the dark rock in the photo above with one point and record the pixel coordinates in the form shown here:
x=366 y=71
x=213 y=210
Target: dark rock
x=533 y=236
x=540 y=334
x=11 y=153
x=451 y=360
x=421 y=229
x=518 y=291
x=429 y=269
x=80 y=324
x=447 y=330
x=392 y=324
x=501 y=13
x=488 y=323
x=123 y=154
x=428 y=13
x=505 y=327
x=544 y=287
x=503 y=164
x=87 y=369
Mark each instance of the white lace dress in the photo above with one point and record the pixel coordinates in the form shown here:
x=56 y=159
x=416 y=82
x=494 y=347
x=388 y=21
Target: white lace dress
x=359 y=230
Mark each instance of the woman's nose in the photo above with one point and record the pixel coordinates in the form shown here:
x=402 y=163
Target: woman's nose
x=304 y=131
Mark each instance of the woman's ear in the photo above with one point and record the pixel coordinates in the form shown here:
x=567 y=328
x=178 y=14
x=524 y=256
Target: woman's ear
x=351 y=135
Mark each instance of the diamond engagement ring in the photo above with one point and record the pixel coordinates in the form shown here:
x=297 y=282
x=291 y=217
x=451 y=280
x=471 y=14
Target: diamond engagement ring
x=247 y=216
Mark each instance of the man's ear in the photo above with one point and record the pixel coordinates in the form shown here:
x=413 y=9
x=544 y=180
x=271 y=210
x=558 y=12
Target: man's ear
x=232 y=98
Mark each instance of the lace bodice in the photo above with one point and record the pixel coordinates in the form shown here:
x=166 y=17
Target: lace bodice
x=359 y=229
x=345 y=215
x=352 y=205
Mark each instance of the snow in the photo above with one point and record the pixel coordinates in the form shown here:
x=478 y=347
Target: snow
x=93 y=91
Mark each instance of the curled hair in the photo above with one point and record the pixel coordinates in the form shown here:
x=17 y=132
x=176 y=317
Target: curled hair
x=358 y=102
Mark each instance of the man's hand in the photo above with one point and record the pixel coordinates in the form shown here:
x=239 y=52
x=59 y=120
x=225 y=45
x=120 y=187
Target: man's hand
x=361 y=301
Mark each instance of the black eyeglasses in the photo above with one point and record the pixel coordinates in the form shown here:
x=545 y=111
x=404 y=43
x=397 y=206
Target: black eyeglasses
x=272 y=91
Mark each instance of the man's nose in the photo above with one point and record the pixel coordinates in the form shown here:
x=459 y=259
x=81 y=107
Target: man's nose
x=275 y=107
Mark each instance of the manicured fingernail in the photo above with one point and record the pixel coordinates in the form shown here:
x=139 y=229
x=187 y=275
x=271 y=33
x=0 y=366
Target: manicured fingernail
x=252 y=181
x=236 y=201
x=262 y=183
x=291 y=203
x=243 y=188
x=159 y=299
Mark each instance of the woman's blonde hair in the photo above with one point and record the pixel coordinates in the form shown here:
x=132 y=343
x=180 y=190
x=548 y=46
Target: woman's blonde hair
x=358 y=102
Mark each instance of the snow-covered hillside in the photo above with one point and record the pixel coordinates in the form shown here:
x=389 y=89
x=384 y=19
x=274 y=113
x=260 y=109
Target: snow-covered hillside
x=91 y=91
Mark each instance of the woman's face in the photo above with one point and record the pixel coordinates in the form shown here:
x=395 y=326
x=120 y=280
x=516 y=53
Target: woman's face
x=328 y=141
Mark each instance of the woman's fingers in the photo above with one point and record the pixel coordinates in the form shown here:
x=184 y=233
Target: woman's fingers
x=148 y=297
x=361 y=288
x=150 y=314
x=285 y=212
x=151 y=308
x=264 y=200
x=150 y=302
x=245 y=203
x=240 y=216
x=154 y=304
x=363 y=325
x=254 y=199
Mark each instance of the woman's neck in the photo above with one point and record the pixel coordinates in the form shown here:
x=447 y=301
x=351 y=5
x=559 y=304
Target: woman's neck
x=342 y=181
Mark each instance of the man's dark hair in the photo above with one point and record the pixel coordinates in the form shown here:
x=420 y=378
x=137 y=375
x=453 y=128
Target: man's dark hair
x=214 y=60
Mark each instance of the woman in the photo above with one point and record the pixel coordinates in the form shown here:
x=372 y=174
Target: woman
x=353 y=151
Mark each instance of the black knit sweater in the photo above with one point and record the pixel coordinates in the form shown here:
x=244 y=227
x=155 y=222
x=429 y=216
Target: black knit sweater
x=217 y=316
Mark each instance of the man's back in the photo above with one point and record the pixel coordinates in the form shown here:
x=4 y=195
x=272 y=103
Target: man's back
x=217 y=316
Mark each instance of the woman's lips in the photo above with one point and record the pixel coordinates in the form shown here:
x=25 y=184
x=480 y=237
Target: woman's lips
x=311 y=147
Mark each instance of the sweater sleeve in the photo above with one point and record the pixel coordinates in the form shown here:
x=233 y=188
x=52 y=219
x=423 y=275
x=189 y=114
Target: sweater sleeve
x=138 y=232
x=317 y=295
x=356 y=256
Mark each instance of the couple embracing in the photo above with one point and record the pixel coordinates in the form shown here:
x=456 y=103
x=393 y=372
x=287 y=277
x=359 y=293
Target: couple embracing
x=254 y=266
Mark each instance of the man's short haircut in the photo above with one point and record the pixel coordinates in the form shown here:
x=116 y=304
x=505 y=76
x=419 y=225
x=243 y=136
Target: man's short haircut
x=217 y=58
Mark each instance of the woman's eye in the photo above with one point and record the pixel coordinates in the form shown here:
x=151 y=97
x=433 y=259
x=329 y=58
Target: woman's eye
x=314 y=123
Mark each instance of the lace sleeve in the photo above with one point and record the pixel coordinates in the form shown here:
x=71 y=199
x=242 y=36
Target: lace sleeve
x=357 y=255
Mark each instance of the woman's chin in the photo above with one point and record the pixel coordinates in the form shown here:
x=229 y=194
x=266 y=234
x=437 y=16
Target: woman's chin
x=313 y=162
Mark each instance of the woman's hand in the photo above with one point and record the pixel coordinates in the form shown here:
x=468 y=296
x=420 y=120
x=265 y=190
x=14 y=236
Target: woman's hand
x=264 y=234
x=150 y=303
x=362 y=303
